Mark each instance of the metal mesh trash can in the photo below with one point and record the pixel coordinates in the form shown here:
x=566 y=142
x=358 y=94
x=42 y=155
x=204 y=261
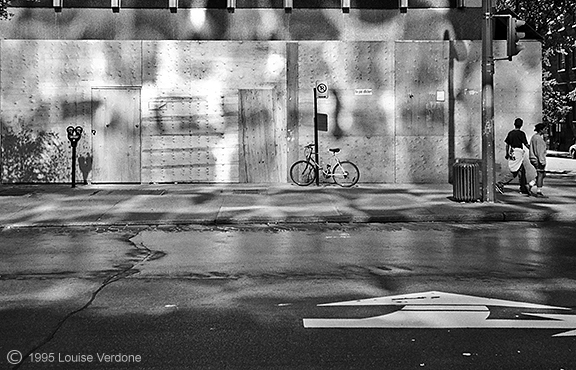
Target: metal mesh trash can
x=466 y=180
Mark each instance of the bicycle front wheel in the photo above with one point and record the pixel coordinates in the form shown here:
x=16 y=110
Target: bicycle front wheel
x=302 y=173
x=346 y=174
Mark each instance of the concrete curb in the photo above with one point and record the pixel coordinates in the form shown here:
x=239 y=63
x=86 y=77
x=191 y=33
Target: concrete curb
x=498 y=216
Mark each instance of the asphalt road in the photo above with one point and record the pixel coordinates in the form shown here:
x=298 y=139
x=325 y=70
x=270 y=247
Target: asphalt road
x=238 y=298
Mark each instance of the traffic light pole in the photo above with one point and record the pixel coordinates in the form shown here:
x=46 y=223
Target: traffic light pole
x=316 y=158
x=488 y=159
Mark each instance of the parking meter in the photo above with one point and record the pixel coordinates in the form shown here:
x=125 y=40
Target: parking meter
x=74 y=134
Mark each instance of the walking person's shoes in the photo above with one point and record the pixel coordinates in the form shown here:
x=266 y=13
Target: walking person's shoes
x=540 y=195
x=526 y=190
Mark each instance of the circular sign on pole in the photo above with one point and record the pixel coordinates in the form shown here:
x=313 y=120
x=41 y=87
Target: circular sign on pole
x=322 y=90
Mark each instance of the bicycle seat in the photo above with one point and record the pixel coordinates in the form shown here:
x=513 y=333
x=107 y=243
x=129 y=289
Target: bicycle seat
x=309 y=146
x=334 y=150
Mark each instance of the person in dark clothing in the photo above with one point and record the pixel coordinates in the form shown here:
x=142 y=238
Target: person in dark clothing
x=516 y=141
x=516 y=138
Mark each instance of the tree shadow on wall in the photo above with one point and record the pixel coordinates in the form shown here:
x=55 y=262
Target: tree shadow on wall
x=337 y=132
x=33 y=157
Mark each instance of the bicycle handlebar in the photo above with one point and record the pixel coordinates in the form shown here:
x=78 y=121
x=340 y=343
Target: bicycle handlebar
x=311 y=148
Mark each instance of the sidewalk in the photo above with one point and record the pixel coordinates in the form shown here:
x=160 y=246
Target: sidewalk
x=185 y=204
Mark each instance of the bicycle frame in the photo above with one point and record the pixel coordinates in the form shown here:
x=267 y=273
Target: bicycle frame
x=309 y=155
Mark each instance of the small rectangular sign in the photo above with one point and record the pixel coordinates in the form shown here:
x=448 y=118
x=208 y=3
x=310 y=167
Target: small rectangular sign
x=440 y=95
x=322 y=122
x=362 y=91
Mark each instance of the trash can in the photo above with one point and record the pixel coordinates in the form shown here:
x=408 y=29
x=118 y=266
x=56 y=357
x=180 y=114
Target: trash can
x=466 y=180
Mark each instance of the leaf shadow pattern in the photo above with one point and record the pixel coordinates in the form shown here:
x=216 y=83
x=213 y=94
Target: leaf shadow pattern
x=30 y=157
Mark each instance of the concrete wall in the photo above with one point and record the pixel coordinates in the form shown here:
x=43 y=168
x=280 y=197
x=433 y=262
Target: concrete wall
x=421 y=112
x=425 y=104
x=188 y=105
x=419 y=109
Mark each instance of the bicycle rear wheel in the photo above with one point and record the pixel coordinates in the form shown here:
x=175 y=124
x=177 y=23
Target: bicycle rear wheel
x=302 y=173
x=346 y=174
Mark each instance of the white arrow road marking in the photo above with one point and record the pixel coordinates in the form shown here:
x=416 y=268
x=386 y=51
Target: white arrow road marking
x=571 y=333
x=438 y=310
x=438 y=298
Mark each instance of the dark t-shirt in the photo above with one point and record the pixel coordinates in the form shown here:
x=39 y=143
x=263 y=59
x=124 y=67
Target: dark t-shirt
x=516 y=138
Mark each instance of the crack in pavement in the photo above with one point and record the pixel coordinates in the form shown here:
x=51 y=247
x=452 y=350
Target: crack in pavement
x=109 y=209
x=123 y=273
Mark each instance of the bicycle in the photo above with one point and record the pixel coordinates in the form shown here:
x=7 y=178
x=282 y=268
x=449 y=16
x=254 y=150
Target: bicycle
x=344 y=173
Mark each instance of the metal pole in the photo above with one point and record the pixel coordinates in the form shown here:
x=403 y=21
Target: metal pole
x=488 y=174
x=316 y=137
x=73 y=166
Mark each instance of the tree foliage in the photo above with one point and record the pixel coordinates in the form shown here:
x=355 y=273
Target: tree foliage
x=556 y=103
x=546 y=17
x=549 y=18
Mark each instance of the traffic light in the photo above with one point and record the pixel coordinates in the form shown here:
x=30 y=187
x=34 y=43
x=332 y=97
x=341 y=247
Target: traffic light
x=514 y=36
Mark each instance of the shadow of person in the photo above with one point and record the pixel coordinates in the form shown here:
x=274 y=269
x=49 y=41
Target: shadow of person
x=85 y=164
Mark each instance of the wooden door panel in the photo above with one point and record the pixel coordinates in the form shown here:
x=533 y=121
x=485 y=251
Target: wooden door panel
x=116 y=135
x=258 y=157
